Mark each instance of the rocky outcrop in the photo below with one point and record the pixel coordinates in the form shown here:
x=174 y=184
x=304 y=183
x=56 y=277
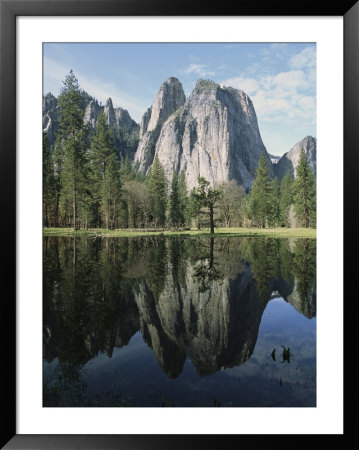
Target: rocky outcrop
x=214 y=134
x=168 y=99
x=289 y=161
x=91 y=112
x=110 y=113
x=144 y=122
x=118 y=118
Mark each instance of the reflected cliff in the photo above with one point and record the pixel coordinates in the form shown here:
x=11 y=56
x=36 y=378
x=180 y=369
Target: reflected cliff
x=196 y=298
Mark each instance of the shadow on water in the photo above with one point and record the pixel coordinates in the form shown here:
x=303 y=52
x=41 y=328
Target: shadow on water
x=195 y=299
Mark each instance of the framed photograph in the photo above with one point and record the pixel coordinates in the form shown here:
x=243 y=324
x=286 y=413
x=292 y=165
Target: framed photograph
x=174 y=254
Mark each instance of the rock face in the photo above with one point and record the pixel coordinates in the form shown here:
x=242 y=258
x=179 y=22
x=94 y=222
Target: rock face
x=125 y=129
x=91 y=112
x=169 y=99
x=214 y=134
x=289 y=161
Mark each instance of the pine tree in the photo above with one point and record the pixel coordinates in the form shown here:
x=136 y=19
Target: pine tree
x=105 y=184
x=127 y=171
x=260 y=196
x=175 y=214
x=273 y=218
x=49 y=185
x=183 y=196
x=157 y=184
x=110 y=192
x=70 y=150
x=286 y=199
x=304 y=193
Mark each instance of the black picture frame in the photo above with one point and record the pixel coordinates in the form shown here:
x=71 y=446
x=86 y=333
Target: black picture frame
x=9 y=10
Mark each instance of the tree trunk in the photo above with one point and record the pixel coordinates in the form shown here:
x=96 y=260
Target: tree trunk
x=211 y=218
x=74 y=213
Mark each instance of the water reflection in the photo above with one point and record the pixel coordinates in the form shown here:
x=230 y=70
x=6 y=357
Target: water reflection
x=200 y=298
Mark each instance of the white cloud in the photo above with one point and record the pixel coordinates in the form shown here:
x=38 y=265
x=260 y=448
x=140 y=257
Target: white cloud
x=282 y=98
x=198 y=69
x=288 y=82
x=248 y=85
x=55 y=73
x=304 y=59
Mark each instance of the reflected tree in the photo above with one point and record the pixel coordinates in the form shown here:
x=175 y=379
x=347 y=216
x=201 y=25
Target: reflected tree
x=157 y=271
x=304 y=270
x=263 y=255
x=206 y=271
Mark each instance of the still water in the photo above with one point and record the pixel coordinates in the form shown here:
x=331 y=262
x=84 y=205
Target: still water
x=154 y=321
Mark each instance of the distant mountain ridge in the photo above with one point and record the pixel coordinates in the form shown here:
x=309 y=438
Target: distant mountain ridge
x=213 y=133
x=274 y=158
x=125 y=129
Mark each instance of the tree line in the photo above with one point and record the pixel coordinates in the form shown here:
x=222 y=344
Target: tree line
x=86 y=184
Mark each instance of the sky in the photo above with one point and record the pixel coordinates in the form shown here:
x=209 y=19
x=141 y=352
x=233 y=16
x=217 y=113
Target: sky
x=280 y=78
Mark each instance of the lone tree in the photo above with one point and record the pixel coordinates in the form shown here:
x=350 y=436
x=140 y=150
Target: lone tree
x=207 y=198
x=304 y=193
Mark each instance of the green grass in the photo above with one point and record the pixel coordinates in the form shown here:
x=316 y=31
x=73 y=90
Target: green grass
x=270 y=232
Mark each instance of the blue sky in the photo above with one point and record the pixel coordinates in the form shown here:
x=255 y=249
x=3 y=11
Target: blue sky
x=279 y=78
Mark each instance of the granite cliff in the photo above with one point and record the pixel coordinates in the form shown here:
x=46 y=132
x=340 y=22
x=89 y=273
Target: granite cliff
x=214 y=134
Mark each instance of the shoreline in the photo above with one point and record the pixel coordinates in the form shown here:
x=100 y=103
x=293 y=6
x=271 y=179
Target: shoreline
x=310 y=233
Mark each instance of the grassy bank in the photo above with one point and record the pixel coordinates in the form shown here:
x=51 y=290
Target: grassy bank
x=270 y=232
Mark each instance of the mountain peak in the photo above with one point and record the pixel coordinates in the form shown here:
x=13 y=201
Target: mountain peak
x=289 y=161
x=213 y=134
x=109 y=103
x=169 y=98
x=172 y=80
x=204 y=84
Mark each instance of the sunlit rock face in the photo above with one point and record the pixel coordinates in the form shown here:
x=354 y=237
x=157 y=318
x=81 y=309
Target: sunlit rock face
x=168 y=99
x=92 y=110
x=214 y=134
x=289 y=161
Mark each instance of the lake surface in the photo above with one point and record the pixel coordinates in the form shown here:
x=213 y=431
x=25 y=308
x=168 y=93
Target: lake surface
x=189 y=321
